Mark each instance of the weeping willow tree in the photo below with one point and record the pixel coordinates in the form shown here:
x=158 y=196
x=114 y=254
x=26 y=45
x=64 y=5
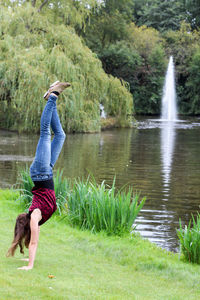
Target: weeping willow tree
x=35 y=52
x=68 y=12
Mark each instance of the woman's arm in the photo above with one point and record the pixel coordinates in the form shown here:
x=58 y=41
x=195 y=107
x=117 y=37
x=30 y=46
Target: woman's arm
x=36 y=216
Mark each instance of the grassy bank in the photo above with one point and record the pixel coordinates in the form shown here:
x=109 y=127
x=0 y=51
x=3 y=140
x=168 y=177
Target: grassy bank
x=89 y=266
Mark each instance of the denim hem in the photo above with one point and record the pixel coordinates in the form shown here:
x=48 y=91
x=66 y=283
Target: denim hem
x=41 y=177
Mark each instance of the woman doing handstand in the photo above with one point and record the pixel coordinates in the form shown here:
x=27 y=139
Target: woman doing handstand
x=44 y=202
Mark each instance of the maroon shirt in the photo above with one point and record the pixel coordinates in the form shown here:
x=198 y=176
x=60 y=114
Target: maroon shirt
x=45 y=200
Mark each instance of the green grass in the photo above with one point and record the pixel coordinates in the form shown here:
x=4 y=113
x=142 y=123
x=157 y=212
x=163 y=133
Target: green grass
x=91 y=266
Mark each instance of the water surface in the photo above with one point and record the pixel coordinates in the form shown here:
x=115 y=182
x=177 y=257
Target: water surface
x=160 y=159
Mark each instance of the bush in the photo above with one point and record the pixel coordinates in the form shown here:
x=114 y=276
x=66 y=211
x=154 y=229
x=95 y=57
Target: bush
x=96 y=207
x=190 y=240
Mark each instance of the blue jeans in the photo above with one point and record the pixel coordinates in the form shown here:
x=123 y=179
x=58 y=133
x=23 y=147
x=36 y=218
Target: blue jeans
x=47 y=152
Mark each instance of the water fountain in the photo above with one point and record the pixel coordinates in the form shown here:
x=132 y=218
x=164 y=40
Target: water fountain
x=169 y=109
x=169 y=115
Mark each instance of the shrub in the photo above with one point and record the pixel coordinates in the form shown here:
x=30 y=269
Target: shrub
x=190 y=240
x=96 y=207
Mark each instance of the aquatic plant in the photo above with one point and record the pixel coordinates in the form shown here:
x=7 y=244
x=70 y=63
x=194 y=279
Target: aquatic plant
x=190 y=240
x=99 y=207
x=24 y=186
x=61 y=187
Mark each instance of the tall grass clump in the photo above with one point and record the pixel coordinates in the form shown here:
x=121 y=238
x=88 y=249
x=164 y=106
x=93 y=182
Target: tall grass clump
x=25 y=184
x=97 y=207
x=190 y=240
x=61 y=187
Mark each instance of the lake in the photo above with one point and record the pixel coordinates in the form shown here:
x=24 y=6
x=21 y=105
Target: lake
x=159 y=159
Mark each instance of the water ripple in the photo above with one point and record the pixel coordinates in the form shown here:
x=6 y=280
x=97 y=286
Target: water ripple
x=15 y=158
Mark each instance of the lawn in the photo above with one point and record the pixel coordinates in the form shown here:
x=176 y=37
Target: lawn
x=90 y=266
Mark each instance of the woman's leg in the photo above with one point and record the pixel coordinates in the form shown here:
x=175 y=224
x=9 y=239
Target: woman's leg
x=40 y=168
x=59 y=137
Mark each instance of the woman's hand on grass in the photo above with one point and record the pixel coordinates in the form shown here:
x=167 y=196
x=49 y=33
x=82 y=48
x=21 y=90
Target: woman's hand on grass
x=25 y=268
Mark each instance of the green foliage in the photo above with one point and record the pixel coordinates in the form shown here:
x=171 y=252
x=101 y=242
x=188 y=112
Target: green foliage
x=97 y=207
x=61 y=187
x=159 y=14
x=192 y=8
x=25 y=185
x=183 y=45
x=166 y=15
x=70 y=12
x=190 y=240
x=149 y=74
x=121 y=61
x=134 y=54
x=192 y=84
x=125 y=7
x=105 y=29
x=34 y=53
x=39 y=48
x=138 y=53
x=108 y=23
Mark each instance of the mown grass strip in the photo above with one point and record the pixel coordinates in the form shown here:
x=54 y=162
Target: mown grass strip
x=91 y=266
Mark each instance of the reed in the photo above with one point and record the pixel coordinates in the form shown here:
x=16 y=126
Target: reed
x=98 y=207
x=24 y=186
x=190 y=240
x=61 y=186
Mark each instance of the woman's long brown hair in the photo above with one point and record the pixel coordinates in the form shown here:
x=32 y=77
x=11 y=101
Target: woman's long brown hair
x=22 y=234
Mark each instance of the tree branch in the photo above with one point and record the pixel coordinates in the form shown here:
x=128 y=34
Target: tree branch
x=42 y=5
